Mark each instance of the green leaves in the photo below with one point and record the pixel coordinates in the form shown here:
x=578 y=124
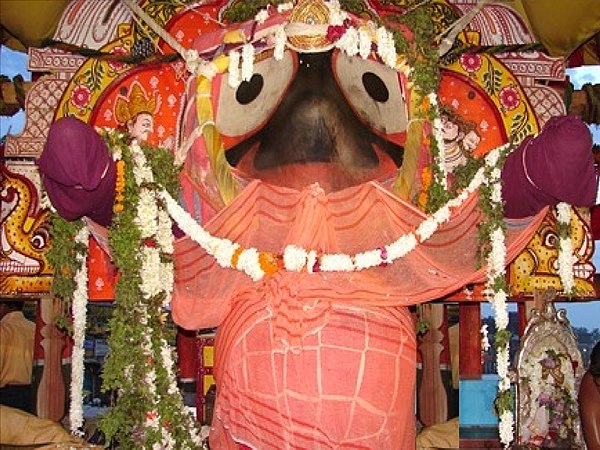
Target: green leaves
x=62 y=256
x=504 y=402
x=246 y=10
x=139 y=367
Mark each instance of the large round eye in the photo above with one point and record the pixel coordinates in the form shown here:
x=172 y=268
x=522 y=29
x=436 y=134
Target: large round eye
x=244 y=110
x=374 y=92
x=40 y=238
x=550 y=239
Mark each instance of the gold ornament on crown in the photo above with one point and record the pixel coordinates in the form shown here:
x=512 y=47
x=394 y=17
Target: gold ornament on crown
x=310 y=13
x=127 y=109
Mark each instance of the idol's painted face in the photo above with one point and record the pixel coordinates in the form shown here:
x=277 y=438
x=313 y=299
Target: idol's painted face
x=141 y=127
x=315 y=117
x=451 y=130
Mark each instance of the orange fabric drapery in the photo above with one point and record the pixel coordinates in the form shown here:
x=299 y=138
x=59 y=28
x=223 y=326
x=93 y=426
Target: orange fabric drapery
x=282 y=341
x=353 y=220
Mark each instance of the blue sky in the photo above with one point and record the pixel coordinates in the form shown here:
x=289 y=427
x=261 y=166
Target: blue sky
x=13 y=63
x=580 y=314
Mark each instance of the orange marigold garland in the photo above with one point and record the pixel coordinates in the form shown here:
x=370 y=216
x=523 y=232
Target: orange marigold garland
x=119 y=187
x=269 y=262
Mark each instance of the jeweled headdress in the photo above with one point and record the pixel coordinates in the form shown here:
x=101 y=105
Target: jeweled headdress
x=127 y=108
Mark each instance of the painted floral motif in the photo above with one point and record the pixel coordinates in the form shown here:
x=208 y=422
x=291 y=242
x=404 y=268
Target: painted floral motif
x=116 y=65
x=470 y=62
x=81 y=95
x=509 y=98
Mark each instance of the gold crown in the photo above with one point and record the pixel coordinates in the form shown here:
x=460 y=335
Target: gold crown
x=310 y=13
x=127 y=109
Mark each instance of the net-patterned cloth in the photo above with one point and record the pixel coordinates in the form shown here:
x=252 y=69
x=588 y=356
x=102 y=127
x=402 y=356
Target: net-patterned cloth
x=322 y=360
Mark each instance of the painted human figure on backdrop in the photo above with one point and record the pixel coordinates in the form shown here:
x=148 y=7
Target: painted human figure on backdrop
x=460 y=139
x=135 y=113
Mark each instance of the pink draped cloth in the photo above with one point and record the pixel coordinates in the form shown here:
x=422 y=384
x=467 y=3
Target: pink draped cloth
x=322 y=360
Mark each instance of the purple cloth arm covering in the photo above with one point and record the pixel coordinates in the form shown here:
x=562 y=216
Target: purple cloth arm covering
x=555 y=166
x=78 y=171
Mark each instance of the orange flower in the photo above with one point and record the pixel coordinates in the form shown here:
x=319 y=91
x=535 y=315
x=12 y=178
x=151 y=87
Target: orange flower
x=422 y=200
x=269 y=262
x=426 y=177
x=119 y=187
x=236 y=256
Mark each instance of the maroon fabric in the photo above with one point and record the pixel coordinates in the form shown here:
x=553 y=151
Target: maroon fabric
x=534 y=173
x=78 y=171
x=595 y=222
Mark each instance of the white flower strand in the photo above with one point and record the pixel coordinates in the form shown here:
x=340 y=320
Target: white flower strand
x=364 y=43
x=247 y=62
x=506 y=427
x=166 y=357
x=156 y=278
x=485 y=342
x=386 y=47
x=79 y=308
x=496 y=267
x=349 y=42
x=142 y=172
x=438 y=134
x=147 y=212
x=566 y=255
x=280 y=41
x=295 y=258
x=234 y=69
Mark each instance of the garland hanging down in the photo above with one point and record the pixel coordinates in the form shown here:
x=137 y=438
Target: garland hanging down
x=149 y=412
x=149 y=409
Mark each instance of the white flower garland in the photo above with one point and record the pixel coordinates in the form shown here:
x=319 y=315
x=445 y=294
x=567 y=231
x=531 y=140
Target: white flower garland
x=298 y=259
x=496 y=269
x=566 y=255
x=541 y=384
x=157 y=277
x=79 y=308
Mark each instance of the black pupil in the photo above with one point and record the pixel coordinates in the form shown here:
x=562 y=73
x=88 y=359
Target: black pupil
x=247 y=91
x=375 y=87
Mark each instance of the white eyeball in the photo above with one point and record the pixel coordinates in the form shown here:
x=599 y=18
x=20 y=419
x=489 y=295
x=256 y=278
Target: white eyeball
x=374 y=92
x=244 y=110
